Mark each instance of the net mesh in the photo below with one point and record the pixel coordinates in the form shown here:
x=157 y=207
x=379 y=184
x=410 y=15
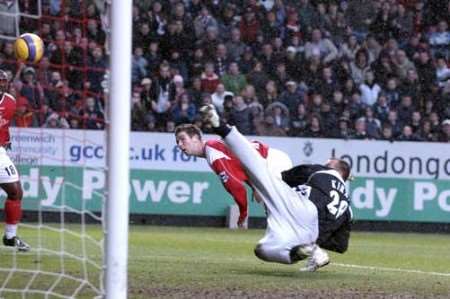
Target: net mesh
x=66 y=232
x=63 y=188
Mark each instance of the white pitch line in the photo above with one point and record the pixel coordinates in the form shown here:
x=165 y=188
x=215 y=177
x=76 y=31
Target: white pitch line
x=390 y=269
x=242 y=260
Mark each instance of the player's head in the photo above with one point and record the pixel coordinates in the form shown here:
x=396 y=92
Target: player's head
x=3 y=82
x=189 y=139
x=341 y=166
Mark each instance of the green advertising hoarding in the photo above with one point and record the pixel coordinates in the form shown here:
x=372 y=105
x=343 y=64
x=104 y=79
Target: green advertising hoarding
x=403 y=181
x=201 y=193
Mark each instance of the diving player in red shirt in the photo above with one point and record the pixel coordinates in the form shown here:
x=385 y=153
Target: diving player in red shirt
x=9 y=176
x=224 y=163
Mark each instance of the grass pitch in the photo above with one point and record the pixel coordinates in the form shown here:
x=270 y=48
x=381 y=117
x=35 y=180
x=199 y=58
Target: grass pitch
x=176 y=262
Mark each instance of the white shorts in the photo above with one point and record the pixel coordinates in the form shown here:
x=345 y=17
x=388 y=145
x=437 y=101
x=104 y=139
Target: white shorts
x=292 y=219
x=8 y=171
x=278 y=161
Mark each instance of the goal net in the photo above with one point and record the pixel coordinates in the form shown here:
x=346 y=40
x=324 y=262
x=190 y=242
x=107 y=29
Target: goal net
x=63 y=199
x=59 y=150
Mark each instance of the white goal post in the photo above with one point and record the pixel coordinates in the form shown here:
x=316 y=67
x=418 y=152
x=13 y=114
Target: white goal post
x=117 y=203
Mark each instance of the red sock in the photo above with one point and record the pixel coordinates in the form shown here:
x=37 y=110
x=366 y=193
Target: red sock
x=13 y=211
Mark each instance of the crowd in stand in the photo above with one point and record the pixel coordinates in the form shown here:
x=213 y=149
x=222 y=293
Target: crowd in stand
x=372 y=69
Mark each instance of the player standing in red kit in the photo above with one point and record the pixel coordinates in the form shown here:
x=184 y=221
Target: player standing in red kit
x=9 y=177
x=224 y=163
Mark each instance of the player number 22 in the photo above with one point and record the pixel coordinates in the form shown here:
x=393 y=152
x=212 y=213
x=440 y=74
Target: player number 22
x=336 y=207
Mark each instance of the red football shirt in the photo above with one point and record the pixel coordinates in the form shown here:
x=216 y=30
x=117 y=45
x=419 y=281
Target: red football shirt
x=7 y=110
x=228 y=167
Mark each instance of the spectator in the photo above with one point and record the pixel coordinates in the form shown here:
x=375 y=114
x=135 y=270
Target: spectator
x=235 y=46
x=405 y=109
x=153 y=57
x=369 y=90
x=299 y=121
x=266 y=126
x=280 y=114
x=161 y=103
x=329 y=119
x=386 y=133
x=258 y=78
x=394 y=123
x=440 y=39
x=157 y=19
x=307 y=14
x=97 y=66
x=442 y=71
x=209 y=79
x=55 y=121
x=29 y=87
x=240 y=116
x=327 y=84
x=95 y=33
x=268 y=58
x=426 y=133
x=314 y=127
x=402 y=64
x=281 y=76
x=247 y=61
x=138 y=112
x=337 y=103
x=292 y=96
x=343 y=130
x=435 y=122
x=249 y=26
x=203 y=21
x=183 y=111
x=293 y=63
x=138 y=65
x=445 y=131
x=8 y=22
x=383 y=26
x=408 y=134
x=349 y=48
x=234 y=81
x=270 y=94
x=356 y=107
x=403 y=23
x=209 y=42
x=381 y=108
x=271 y=27
x=373 y=48
x=221 y=60
x=373 y=124
x=327 y=51
x=91 y=114
x=173 y=38
x=426 y=71
x=24 y=118
x=360 y=67
x=292 y=27
x=178 y=65
x=383 y=69
x=227 y=19
x=416 y=122
x=315 y=105
x=218 y=97
x=360 y=129
x=359 y=15
x=392 y=93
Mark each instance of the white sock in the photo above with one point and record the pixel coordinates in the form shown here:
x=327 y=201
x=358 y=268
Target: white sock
x=10 y=230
